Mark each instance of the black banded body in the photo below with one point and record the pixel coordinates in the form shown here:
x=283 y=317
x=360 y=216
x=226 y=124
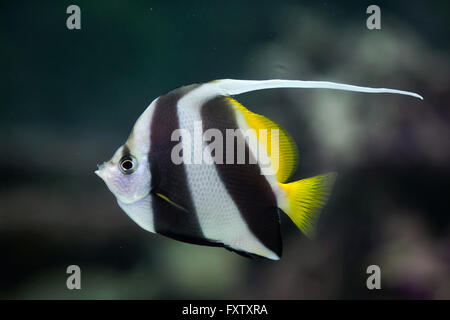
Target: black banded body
x=226 y=203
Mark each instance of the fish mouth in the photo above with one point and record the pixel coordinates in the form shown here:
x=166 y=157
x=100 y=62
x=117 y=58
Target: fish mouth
x=99 y=170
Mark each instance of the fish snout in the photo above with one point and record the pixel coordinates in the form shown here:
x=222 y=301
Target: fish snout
x=100 y=170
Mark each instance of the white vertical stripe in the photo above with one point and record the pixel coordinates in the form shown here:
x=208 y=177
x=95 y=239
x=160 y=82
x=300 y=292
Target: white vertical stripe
x=218 y=215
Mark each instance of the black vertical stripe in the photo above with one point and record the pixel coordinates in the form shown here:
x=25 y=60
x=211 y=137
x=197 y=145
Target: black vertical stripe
x=125 y=151
x=250 y=190
x=171 y=179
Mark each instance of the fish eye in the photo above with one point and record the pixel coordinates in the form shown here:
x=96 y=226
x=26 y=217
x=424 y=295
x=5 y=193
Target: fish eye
x=128 y=164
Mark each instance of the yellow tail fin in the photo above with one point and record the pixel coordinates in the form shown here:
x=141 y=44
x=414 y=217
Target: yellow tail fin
x=305 y=198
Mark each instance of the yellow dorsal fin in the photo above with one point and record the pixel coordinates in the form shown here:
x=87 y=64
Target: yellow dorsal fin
x=287 y=154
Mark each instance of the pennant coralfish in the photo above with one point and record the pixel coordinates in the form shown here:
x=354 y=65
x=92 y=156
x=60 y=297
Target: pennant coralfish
x=218 y=201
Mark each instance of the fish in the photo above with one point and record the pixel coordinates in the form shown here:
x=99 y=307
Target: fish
x=209 y=192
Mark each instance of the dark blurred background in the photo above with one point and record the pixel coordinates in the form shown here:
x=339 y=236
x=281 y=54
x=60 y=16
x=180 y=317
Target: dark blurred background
x=70 y=98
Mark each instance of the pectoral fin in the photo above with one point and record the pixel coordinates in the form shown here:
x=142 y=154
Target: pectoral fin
x=171 y=202
x=174 y=221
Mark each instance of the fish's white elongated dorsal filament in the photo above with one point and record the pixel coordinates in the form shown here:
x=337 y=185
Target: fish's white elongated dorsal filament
x=235 y=87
